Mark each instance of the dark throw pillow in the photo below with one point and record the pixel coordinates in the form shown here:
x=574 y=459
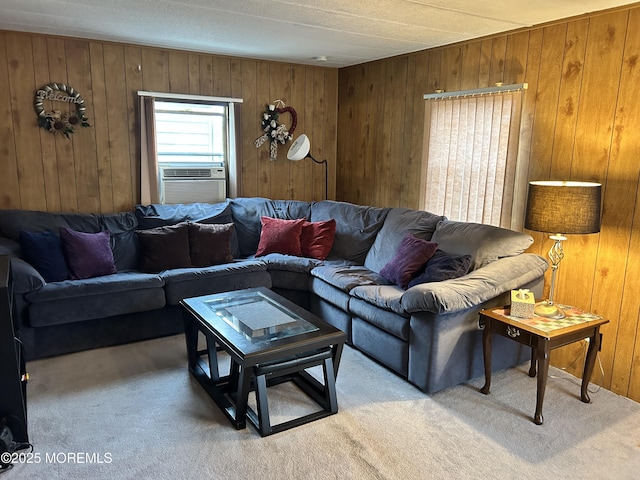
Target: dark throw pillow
x=88 y=254
x=280 y=236
x=44 y=251
x=317 y=239
x=443 y=266
x=412 y=254
x=210 y=244
x=164 y=248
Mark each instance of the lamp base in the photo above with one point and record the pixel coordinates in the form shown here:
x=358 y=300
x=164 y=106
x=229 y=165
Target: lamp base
x=548 y=310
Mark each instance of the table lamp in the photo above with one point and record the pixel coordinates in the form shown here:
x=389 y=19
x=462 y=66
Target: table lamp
x=561 y=207
x=299 y=150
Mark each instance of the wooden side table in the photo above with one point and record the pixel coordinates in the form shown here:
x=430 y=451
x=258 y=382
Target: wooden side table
x=542 y=335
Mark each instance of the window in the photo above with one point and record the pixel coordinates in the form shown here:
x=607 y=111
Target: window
x=470 y=156
x=191 y=133
x=188 y=148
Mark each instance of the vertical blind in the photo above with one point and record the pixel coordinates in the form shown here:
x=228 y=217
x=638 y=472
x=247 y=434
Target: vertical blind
x=470 y=156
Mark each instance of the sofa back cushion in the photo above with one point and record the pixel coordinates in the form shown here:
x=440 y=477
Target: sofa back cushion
x=485 y=243
x=158 y=215
x=356 y=228
x=247 y=212
x=121 y=226
x=398 y=223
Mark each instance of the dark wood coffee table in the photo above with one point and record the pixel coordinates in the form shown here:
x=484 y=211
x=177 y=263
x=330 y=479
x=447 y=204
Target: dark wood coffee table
x=269 y=340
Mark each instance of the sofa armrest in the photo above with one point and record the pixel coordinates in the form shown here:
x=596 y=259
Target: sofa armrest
x=476 y=287
x=25 y=277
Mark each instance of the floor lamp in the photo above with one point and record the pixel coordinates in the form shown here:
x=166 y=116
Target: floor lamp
x=567 y=207
x=300 y=149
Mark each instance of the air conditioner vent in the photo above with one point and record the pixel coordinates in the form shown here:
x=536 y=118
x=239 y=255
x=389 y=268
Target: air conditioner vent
x=187 y=173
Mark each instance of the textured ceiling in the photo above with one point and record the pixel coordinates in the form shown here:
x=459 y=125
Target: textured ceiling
x=346 y=32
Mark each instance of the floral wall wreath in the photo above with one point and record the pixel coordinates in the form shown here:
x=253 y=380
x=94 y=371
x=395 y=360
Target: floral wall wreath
x=56 y=121
x=276 y=133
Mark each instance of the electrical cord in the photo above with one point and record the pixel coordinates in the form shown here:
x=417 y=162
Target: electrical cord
x=585 y=342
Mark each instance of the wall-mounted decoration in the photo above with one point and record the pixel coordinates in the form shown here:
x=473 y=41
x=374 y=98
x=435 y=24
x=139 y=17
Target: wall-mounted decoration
x=57 y=121
x=276 y=133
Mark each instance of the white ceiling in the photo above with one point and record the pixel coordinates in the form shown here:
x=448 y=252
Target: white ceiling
x=346 y=32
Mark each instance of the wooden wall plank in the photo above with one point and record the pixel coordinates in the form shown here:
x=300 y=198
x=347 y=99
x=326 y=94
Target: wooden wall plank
x=610 y=285
x=101 y=127
x=221 y=76
x=84 y=148
x=9 y=184
x=22 y=88
x=263 y=97
x=251 y=110
x=178 y=72
x=47 y=140
x=280 y=89
x=594 y=127
x=330 y=138
x=318 y=151
x=296 y=184
x=134 y=82
x=64 y=148
x=312 y=111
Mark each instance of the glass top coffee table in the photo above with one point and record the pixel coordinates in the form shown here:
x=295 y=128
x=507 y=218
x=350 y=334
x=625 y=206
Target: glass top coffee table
x=269 y=340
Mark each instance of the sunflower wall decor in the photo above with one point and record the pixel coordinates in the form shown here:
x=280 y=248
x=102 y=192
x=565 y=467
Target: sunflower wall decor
x=276 y=133
x=57 y=121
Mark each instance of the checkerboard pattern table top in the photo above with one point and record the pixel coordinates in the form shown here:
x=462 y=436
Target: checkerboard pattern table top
x=574 y=316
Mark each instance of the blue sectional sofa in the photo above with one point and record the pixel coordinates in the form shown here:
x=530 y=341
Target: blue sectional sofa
x=428 y=333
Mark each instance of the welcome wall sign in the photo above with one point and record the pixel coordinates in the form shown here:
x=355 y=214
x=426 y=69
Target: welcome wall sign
x=57 y=121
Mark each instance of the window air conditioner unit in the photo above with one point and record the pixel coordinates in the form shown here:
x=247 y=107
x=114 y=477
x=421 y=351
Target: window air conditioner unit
x=192 y=184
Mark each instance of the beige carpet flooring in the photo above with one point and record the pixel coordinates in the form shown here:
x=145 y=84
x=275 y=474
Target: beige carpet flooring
x=133 y=412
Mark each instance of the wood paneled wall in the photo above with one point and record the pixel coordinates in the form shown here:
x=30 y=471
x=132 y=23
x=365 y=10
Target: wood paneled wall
x=97 y=170
x=581 y=119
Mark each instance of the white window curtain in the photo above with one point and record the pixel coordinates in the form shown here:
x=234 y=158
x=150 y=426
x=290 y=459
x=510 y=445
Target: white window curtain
x=470 y=156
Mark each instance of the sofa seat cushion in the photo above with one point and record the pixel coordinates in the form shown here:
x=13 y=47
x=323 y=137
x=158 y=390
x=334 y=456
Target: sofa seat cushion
x=328 y=294
x=390 y=322
x=386 y=297
x=279 y=261
x=98 y=297
x=347 y=277
x=117 y=282
x=183 y=283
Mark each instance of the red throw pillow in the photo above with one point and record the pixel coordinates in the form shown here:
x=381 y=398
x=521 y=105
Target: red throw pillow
x=317 y=238
x=280 y=236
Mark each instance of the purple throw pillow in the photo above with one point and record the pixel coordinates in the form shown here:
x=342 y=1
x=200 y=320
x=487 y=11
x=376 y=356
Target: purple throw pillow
x=88 y=254
x=412 y=254
x=443 y=266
